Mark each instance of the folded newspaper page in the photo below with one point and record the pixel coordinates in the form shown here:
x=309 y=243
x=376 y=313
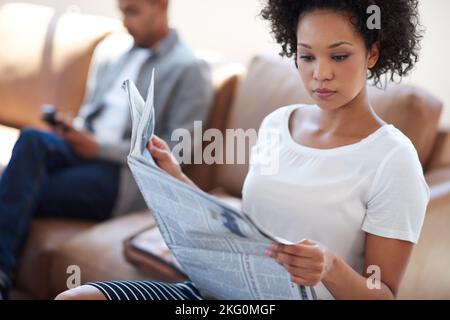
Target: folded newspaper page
x=218 y=247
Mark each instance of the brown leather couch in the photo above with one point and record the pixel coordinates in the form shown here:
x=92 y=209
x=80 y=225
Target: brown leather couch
x=47 y=60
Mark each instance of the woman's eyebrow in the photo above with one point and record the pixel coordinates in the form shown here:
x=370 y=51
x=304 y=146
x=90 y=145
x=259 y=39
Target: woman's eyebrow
x=303 y=45
x=334 y=45
x=337 y=44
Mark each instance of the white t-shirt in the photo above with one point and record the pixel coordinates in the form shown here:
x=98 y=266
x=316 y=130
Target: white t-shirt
x=110 y=125
x=334 y=196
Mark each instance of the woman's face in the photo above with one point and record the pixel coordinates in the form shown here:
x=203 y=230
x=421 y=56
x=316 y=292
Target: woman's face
x=332 y=58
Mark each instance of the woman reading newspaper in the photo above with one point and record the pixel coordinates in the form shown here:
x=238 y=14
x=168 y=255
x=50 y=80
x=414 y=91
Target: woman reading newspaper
x=347 y=181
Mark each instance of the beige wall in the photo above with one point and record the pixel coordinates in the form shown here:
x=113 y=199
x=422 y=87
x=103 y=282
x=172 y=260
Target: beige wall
x=433 y=70
x=232 y=28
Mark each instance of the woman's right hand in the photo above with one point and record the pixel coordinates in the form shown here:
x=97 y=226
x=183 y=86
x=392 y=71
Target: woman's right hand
x=160 y=152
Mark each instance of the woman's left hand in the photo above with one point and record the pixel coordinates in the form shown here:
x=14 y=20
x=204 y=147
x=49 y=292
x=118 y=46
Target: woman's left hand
x=308 y=262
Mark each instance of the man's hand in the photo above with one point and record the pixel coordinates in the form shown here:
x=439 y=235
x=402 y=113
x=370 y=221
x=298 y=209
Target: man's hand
x=64 y=123
x=82 y=142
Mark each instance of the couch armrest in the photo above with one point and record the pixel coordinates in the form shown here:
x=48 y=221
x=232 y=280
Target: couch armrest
x=427 y=276
x=226 y=79
x=148 y=251
x=440 y=154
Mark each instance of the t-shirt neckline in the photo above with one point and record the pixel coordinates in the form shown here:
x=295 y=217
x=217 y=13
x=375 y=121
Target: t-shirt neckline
x=327 y=151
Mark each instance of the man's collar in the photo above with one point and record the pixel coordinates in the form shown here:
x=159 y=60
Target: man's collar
x=165 y=45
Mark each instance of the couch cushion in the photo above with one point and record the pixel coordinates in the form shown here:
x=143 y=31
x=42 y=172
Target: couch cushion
x=44 y=59
x=440 y=155
x=413 y=111
x=98 y=252
x=439 y=182
x=33 y=274
x=272 y=82
x=268 y=84
x=225 y=78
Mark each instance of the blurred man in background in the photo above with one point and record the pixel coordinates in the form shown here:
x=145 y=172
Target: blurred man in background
x=79 y=170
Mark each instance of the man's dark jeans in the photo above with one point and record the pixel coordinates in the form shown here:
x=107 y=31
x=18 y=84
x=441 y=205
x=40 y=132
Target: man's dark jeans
x=45 y=178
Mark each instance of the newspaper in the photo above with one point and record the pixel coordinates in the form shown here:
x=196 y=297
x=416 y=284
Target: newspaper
x=218 y=247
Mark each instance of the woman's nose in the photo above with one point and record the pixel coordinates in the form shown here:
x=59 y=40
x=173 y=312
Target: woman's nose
x=322 y=71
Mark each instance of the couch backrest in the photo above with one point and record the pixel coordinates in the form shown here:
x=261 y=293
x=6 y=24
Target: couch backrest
x=271 y=82
x=45 y=59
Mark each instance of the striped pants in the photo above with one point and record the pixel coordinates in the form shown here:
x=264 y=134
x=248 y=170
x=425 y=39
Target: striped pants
x=147 y=290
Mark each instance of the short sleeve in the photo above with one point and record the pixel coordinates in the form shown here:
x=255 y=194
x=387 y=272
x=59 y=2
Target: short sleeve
x=398 y=197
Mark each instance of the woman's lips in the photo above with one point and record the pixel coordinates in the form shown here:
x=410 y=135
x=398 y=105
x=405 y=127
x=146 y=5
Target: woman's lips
x=324 y=93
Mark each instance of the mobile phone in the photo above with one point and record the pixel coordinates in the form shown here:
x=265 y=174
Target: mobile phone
x=49 y=114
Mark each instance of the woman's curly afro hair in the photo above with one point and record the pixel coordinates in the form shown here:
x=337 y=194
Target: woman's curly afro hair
x=399 y=35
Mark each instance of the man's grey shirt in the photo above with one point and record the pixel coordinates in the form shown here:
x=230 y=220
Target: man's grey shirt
x=183 y=94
